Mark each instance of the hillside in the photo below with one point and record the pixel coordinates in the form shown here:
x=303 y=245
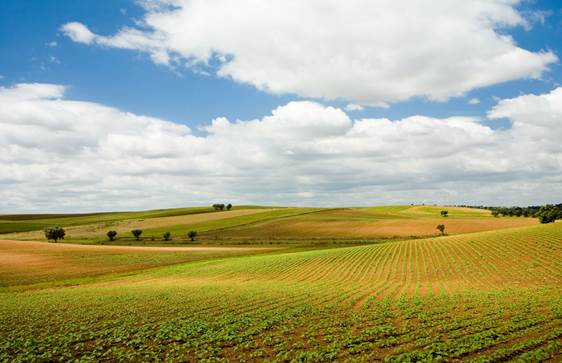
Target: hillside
x=487 y=296
x=262 y=224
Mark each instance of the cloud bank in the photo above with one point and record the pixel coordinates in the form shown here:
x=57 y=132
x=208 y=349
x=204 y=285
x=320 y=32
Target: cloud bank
x=60 y=154
x=369 y=52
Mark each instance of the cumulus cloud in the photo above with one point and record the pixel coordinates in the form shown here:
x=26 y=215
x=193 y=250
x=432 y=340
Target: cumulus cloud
x=368 y=52
x=354 y=107
x=60 y=154
x=474 y=101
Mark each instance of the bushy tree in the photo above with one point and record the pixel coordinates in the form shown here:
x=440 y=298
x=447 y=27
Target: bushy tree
x=444 y=213
x=167 y=236
x=137 y=233
x=191 y=235
x=111 y=235
x=54 y=233
x=549 y=213
x=228 y=206
x=218 y=206
x=441 y=228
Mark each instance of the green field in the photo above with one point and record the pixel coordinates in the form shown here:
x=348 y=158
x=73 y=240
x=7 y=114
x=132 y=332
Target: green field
x=33 y=222
x=486 y=296
x=252 y=225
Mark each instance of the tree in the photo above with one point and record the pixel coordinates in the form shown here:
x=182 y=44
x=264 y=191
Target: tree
x=191 y=235
x=218 y=206
x=54 y=234
x=111 y=235
x=444 y=213
x=549 y=213
x=495 y=213
x=137 y=233
x=228 y=206
x=167 y=236
x=441 y=228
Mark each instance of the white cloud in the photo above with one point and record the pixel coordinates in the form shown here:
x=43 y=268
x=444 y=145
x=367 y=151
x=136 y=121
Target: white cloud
x=52 y=44
x=354 y=107
x=59 y=154
x=473 y=101
x=365 y=51
x=78 y=32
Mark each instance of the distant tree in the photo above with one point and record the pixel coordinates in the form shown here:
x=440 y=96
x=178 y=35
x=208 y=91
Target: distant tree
x=495 y=213
x=228 y=206
x=111 y=235
x=549 y=213
x=545 y=218
x=191 y=235
x=167 y=236
x=218 y=206
x=441 y=228
x=444 y=213
x=54 y=234
x=137 y=233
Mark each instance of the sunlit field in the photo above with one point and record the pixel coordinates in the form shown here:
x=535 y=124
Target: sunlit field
x=488 y=296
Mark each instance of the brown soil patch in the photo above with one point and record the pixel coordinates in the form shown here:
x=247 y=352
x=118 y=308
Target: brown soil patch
x=294 y=228
x=25 y=262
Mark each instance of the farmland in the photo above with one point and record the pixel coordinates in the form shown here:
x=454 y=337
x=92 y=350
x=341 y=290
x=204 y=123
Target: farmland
x=488 y=294
x=257 y=224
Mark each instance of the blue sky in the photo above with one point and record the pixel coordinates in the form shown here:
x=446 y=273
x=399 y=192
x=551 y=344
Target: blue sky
x=138 y=104
x=130 y=81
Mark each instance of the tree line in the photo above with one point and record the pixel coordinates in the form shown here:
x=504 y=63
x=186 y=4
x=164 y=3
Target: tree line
x=58 y=233
x=546 y=213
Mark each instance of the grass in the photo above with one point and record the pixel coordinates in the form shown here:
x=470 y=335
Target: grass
x=487 y=296
x=33 y=222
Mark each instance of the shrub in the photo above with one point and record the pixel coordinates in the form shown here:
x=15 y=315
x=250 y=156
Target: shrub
x=111 y=235
x=441 y=228
x=137 y=233
x=191 y=235
x=228 y=206
x=54 y=233
x=167 y=236
x=444 y=213
x=218 y=206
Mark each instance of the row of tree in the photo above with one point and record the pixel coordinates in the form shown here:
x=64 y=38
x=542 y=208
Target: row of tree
x=545 y=213
x=220 y=206
x=167 y=236
x=58 y=233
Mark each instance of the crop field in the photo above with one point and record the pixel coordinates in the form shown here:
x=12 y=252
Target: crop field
x=489 y=296
x=34 y=222
x=371 y=223
x=154 y=224
x=31 y=263
x=259 y=224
